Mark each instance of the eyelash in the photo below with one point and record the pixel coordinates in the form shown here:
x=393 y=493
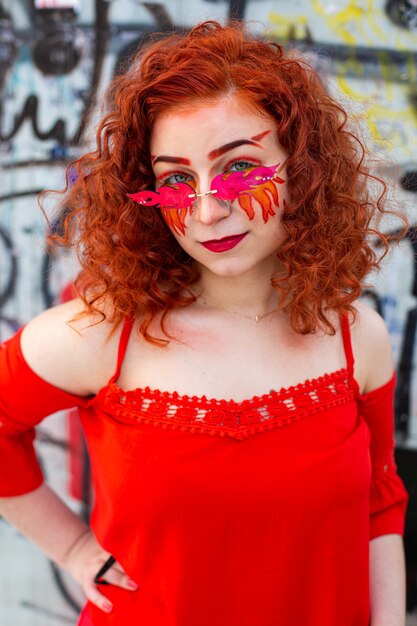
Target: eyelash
x=166 y=180
x=247 y=162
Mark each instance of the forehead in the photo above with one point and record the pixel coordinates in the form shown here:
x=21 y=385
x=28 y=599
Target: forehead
x=207 y=126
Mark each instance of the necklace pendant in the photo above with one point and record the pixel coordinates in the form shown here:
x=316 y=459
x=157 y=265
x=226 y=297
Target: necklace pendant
x=256 y=318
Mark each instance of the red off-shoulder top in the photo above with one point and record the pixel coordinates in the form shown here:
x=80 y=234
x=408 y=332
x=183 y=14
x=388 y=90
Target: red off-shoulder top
x=252 y=513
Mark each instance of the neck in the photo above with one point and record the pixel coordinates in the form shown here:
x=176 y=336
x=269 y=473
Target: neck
x=249 y=293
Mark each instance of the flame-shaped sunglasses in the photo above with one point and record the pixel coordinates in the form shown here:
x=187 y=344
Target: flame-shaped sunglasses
x=226 y=187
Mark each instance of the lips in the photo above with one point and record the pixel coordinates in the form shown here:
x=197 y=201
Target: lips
x=221 y=245
x=222 y=239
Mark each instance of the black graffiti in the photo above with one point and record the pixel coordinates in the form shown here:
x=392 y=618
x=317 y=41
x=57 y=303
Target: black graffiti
x=101 y=39
x=343 y=60
x=30 y=111
x=46 y=612
x=404 y=375
x=405 y=367
x=375 y=299
x=8 y=326
x=49 y=260
x=160 y=14
x=8 y=290
x=19 y=194
x=58 y=129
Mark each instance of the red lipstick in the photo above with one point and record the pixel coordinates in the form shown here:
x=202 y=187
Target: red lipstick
x=221 y=245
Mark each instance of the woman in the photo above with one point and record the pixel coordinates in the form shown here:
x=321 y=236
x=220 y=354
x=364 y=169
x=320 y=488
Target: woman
x=235 y=396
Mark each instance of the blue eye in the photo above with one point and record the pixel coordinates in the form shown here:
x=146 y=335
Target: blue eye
x=240 y=166
x=177 y=178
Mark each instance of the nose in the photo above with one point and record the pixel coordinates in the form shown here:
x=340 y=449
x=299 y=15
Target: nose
x=208 y=209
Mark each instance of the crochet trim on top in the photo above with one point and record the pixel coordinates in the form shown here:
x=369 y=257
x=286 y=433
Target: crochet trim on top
x=238 y=420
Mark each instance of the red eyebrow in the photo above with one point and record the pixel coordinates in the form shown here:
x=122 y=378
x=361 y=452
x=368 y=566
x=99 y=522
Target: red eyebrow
x=260 y=136
x=214 y=154
x=171 y=159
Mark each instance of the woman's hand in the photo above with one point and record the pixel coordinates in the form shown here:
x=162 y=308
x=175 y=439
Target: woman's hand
x=387 y=580
x=83 y=561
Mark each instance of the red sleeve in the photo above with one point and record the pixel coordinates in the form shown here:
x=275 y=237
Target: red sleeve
x=388 y=497
x=25 y=399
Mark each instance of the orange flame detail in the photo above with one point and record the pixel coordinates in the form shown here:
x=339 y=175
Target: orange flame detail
x=175 y=218
x=261 y=194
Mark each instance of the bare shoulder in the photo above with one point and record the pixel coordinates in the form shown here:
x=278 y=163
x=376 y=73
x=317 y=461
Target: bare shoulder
x=371 y=346
x=77 y=355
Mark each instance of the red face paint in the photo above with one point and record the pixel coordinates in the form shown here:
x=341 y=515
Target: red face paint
x=218 y=152
x=260 y=136
x=171 y=159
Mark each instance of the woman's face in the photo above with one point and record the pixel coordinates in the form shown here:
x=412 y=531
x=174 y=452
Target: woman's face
x=220 y=140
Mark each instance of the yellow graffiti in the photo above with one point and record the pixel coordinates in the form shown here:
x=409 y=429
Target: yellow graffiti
x=283 y=26
x=352 y=22
x=383 y=122
x=351 y=18
x=383 y=106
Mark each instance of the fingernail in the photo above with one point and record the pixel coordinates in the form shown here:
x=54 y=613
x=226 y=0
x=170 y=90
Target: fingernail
x=107 y=606
x=132 y=585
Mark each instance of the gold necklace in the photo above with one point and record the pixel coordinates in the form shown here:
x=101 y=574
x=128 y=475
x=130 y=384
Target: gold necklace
x=256 y=318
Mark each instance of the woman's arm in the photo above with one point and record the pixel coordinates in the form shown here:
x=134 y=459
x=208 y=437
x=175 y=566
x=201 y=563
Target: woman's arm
x=53 y=368
x=46 y=521
x=387 y=581
x=387 y=562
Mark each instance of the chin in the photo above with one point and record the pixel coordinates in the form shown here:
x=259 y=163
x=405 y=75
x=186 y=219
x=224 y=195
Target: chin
x=228 y=267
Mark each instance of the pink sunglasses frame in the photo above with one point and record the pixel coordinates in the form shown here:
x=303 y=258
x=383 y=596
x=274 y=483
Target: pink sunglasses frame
x=227 y=186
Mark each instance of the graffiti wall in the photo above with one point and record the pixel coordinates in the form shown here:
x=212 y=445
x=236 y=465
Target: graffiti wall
x=58 y=56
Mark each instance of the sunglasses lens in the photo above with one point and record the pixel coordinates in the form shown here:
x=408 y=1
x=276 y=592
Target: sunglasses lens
x=226 y=204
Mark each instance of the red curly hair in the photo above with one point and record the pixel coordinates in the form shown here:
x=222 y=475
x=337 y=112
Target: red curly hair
x=130 y=255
